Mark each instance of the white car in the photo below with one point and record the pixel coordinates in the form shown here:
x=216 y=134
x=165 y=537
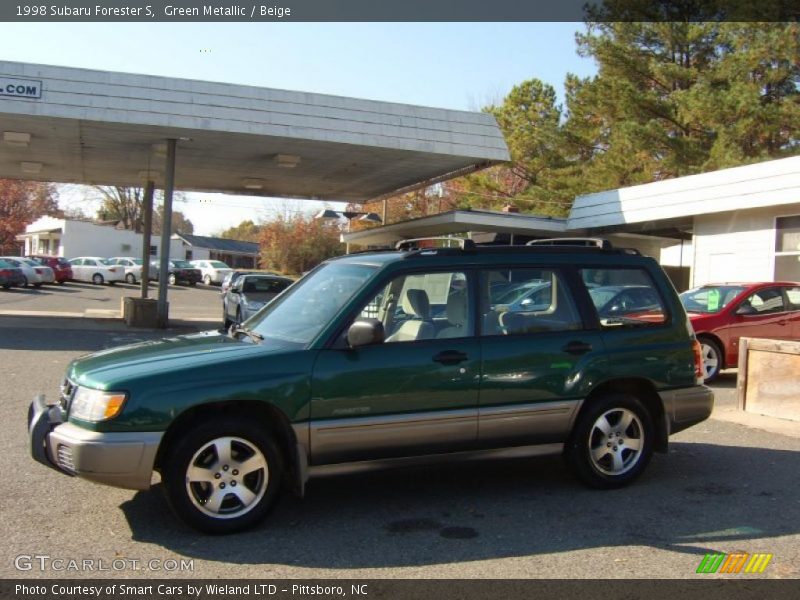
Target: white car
x=96 y=270
x=213 y=271
x=131 y=266
x=35 y=274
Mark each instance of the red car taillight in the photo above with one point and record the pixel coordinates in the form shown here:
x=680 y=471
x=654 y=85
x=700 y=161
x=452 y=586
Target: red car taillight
x=699 y=369
x=5 y=272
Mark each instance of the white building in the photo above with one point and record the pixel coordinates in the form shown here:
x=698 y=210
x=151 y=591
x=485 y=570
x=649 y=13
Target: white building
x=70 y=238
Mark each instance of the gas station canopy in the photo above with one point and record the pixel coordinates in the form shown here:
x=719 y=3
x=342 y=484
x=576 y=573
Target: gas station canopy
x=94 y=127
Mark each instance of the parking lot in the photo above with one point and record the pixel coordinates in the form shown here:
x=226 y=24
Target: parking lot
x=729 y=484
x=79 y=299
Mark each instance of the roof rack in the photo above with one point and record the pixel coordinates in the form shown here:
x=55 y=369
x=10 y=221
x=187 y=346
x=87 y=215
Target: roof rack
x=573 y=241
x=413 y=243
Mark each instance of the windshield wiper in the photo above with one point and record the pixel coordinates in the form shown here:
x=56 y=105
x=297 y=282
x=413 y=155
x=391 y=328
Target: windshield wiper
x=256 y=337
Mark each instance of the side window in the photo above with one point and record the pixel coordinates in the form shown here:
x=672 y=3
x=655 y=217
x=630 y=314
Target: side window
x=624 y=297
x=766 y=301
x=422 y=306
x=521 y=301
x=89 y=262
x=793 y=297
x=77 y=262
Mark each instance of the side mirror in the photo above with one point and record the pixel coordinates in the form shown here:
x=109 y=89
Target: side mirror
x=365 y=332
x=746 y=309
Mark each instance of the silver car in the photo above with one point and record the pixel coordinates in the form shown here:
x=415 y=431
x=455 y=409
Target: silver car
x=35 y=274
x=249 y=294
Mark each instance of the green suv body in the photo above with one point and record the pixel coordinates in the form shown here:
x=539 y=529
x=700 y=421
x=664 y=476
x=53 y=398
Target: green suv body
x=391 y=355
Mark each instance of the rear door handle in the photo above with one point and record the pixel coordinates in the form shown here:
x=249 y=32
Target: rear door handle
x=450 y=357
x=577 y=348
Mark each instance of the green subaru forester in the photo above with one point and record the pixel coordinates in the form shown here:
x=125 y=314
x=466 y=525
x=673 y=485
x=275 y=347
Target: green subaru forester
x=388 y=357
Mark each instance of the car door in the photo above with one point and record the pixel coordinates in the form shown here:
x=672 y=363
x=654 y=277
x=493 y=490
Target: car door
x=417 y=392
x=78 y=269
x=761 y=314
x=792 y=300
x=532 y=360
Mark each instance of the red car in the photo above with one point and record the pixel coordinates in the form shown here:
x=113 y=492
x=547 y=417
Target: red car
x=722 y=313
x=61 y=268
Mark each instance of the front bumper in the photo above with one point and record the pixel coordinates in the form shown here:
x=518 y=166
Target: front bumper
x=120 y=459
x=685 y=407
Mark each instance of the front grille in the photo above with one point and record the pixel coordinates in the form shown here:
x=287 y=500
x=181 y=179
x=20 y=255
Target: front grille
x=64 y=457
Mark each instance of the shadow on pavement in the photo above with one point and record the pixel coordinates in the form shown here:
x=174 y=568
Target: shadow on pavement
x=686 y=502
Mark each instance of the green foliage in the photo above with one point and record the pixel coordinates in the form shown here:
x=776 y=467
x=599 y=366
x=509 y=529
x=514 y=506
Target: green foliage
x=669 y=99
x=247 y=231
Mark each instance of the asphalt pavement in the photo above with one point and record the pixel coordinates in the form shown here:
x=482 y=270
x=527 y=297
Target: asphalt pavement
x=725 y=486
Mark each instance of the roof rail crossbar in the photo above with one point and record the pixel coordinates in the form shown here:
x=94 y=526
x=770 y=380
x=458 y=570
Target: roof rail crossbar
x=413 y=243
x=573 y=241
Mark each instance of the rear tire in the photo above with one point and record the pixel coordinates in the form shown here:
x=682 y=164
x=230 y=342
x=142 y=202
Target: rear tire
x=130 y=278
x=24 y=281
x=37 y=285
x=207 y=280
x=712 y=358
x=223 y=475
x=171 y=279
x=97 y=279
x=612 y=441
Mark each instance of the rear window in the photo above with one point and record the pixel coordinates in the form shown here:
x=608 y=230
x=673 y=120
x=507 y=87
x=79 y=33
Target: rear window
x=63 y=262
x=624 y=297
x=218 y=265
x=182 y=264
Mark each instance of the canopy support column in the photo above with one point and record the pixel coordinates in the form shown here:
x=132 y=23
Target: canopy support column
x=166 y=232
x=148 y=228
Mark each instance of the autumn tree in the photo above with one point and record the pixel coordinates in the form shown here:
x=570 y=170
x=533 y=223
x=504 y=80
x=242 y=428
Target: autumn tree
x=294 y=244
x=21 y=203
x=179 y=224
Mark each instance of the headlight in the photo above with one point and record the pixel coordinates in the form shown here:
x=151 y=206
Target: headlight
x=96 y=405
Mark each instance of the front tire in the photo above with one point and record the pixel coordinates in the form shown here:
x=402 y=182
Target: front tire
x=171 y=279
x=130 y=278
x=712 y=358
x=612 y=441
x=223 y=476
x=207 y=279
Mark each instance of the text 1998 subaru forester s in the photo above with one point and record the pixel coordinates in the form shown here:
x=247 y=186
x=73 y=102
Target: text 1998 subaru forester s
x=385 y=355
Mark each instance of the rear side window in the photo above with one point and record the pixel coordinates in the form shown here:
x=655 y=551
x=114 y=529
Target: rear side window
x=524 y=301
x=769 y=300
x=624 y=297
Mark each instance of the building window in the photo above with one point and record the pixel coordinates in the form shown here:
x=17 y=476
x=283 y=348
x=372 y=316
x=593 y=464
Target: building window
x=188 y=255
x=787 y=248
x=153 y=250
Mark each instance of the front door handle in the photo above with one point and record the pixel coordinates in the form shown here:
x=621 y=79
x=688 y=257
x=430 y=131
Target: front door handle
x=450 y=357
x=577 y=348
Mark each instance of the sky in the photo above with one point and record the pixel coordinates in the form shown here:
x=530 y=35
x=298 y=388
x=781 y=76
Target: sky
x=448 y=65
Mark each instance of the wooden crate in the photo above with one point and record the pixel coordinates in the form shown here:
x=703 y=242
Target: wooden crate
x=769 y=377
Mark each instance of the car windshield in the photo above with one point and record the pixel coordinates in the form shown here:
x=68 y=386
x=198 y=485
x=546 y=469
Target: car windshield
x=710 y=299
x=182 y=264
x=218 y=264
x=300 y=314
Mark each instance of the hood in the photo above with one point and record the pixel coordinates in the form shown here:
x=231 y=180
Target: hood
x=108 y=368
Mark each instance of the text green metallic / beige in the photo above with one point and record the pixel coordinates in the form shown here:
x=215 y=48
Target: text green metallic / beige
x=391 y=357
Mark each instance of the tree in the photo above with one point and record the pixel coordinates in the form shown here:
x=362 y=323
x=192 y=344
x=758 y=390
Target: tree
x=179 y=223
x=247 y=231
x=294 y=244
x=21 y=203
x=123 y=204
x=126 y=204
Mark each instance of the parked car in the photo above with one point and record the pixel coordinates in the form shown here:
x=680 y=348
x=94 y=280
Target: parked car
x=131 y=266
x=62 y=270
x=626 y=301
x=33 y=273
x=212 y=271
x=96 y=270
x=180 y=271
x=233 y=275
x=10 y=275
x=249 y=294
x=332 y=373
x=724 y=312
